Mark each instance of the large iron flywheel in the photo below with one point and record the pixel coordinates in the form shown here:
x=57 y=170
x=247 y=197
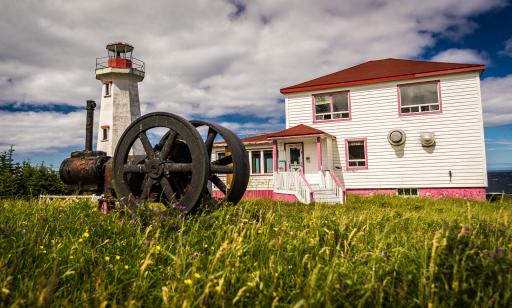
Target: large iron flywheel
x=174 y=171
x=229 y=174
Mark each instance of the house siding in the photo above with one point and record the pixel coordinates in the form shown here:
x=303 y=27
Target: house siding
x=374 y=112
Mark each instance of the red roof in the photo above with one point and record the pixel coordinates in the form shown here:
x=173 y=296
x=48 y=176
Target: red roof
x=253 y=139
x=382 y=70
x=297 y=131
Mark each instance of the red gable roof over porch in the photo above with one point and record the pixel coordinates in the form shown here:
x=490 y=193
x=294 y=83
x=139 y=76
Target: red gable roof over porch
x=300 y=130
x=382 y=70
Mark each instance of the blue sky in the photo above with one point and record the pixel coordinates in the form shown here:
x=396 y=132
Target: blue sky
x=225 y=61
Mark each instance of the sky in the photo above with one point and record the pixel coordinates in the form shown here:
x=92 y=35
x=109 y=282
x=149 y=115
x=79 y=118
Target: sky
x=224 y=61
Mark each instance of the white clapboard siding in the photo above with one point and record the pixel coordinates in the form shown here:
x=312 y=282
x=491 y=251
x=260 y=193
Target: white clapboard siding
x=374 y=112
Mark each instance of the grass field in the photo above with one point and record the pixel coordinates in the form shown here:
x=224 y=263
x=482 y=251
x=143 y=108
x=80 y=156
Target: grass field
x=379 y=251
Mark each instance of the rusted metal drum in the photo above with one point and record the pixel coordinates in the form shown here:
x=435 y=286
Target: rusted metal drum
x=84 y=171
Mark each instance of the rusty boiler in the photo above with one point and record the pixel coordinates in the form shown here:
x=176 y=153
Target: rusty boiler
x=84 y=171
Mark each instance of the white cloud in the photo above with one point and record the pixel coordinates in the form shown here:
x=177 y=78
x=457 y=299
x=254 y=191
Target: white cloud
x=41 y=132
x=202 y=57
x=497 y=100
x=507 y=51
x=462 y=56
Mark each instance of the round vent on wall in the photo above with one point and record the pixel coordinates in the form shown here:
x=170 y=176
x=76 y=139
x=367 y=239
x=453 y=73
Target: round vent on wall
x=427 y=139
x=396 y=137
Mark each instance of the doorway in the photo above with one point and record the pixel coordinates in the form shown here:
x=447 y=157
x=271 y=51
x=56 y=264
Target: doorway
x=294 y=157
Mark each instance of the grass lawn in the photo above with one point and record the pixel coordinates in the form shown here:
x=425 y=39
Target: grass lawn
x=379 y=251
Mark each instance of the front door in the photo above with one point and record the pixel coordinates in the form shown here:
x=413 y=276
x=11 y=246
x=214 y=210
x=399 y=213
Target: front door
x=294 y=157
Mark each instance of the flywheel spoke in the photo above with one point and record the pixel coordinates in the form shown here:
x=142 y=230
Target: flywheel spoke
x=221 y=169
x=166 y=149
x=131 y=168
x=218 y=182
x=166 y=186
x=146 y=189
x=209 y=140
x=224 y=161
x=177 y=167
x=146 y=144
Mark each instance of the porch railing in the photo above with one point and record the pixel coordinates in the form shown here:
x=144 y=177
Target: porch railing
x=293 y=182
x=329 y=180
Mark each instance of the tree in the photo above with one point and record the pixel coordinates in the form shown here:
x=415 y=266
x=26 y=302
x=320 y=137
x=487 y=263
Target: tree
x=25 y=180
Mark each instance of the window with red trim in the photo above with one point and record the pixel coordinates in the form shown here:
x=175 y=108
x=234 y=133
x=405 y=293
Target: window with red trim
x=331 y=106
x=356 y=154
x=419 y=97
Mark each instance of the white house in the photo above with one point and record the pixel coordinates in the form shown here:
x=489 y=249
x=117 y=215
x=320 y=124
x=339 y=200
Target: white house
x=391 y=126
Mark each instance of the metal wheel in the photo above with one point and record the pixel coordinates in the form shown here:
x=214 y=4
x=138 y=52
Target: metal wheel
x=235 y=164
x=174 y=171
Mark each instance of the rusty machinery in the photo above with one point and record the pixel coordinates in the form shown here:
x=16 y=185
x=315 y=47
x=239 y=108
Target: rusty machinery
x=176 y=171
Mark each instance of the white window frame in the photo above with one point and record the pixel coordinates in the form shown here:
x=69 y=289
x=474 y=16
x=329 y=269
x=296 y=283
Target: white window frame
x=431 y=107
x=365 y=160
x=262 y=161
x=407 y=192
x=320 y=117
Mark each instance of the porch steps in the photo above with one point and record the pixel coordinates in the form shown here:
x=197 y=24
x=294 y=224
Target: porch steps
x=322 y=195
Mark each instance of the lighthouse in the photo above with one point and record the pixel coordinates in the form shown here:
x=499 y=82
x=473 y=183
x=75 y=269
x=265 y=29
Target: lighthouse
x=120 y=74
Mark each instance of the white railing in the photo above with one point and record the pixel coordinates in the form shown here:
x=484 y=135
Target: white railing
x=329 y=180
x=293 y=182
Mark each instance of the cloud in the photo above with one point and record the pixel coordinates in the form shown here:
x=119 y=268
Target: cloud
x=207 y=58
x=462 y=56
x=497 y=100
x=41 y=132
x=507 y=51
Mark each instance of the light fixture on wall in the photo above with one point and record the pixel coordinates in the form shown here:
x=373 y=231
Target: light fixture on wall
x=396 y=137
x=427 y=139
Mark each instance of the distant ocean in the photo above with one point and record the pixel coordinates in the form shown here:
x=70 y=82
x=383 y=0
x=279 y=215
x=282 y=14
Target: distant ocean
x=500 y=181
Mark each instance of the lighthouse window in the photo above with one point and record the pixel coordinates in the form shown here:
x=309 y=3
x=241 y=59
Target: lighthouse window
x=108 y=89
x=104 y=131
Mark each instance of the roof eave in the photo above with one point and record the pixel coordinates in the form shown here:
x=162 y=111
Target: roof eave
x=299 y=136
x=382 y=79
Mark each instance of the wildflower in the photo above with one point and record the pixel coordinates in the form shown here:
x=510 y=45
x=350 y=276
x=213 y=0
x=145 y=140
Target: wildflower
x=197 y=275
x=71 y=257
x=85 y=234
x=146 y=243
x=107 y=259
x=188 y=282
x=206 y=245
x=118 y=257
x=126 y=267
x=158 y=247
x=276 y=229
x=80 y=240
x=41 y=247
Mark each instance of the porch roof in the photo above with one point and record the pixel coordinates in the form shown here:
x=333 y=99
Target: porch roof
x=300 y=130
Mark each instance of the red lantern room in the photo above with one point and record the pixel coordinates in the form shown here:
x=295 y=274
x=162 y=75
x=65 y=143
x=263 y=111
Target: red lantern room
x=119 y=56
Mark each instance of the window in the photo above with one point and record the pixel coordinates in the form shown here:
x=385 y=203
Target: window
x=108 y=88
x=331 y=106
x=356 y=154
x=104 y=132
x=262 y=161
x=407 y=191
x=220 y=155
x=256 y=161
x=269 y=161
x=419 y=97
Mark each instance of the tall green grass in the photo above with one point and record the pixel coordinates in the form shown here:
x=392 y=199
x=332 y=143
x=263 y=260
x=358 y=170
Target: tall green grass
x=380 y=251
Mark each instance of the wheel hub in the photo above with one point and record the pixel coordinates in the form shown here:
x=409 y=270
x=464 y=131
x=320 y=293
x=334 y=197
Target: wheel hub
x=155 y=168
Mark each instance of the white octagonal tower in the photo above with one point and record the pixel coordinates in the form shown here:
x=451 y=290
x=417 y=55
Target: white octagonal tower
x=120 y=74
